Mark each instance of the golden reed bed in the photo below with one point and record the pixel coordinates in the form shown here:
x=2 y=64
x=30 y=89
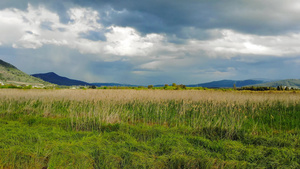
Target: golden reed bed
x=158 y=95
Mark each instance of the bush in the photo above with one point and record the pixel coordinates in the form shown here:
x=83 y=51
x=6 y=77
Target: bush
x=93 y=87
x=150 y=86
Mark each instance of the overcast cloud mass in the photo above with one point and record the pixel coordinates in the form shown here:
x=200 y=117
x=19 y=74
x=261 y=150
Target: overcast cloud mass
x=153 y=41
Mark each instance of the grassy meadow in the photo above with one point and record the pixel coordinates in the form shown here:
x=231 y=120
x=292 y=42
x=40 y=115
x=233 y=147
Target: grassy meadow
x=64 y=128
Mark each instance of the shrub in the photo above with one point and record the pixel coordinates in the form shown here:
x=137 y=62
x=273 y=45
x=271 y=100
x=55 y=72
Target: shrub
x=93 y=87
x=150 y=86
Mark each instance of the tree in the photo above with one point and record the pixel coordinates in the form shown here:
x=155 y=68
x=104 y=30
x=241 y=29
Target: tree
x=234 y=86
x=93 y=87
x=181 y=86
x=174 y=84
x=166 y=86
x=280 y=87
x=150 y=86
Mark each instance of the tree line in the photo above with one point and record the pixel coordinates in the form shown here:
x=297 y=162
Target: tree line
x=260 y=88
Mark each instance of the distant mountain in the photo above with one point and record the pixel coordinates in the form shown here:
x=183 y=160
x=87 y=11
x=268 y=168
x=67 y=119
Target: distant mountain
x=9 y=74
x=59 y=80
x=227 y=83
x=295 y=83
x=112 y=84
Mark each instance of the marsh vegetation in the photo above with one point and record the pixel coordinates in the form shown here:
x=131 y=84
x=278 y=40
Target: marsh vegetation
x=149 y=129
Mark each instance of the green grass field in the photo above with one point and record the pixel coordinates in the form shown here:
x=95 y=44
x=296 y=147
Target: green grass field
x=149 y=129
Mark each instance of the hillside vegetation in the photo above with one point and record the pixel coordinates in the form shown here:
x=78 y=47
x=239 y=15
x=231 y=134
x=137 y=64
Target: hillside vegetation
x=9 y=74
x=149 y=129
x=227 y=83
x=294 y=83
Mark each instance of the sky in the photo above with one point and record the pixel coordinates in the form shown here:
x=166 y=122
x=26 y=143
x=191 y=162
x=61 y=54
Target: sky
x=146 y=42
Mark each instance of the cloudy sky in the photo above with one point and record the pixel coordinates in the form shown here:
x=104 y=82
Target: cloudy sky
x=153 y=41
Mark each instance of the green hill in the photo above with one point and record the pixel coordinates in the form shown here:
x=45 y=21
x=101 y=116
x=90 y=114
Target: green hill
x=294 y=83
x=9 y=74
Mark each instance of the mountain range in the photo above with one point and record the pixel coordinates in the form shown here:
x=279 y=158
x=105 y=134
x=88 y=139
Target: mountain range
x=227 y=83
x=294 y=83
x=11 y=74
x=60 y=80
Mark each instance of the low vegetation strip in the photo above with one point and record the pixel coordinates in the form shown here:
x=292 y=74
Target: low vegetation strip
x=149 y=129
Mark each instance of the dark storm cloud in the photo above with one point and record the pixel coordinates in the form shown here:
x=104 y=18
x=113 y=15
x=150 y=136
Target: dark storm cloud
x=144 y=22
x=270 y=17
x=170 y=16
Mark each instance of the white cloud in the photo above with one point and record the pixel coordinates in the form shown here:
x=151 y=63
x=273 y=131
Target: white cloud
x=39 y=26
x=83 y=20
x=155 y=65
x=233 y=44
x=12 y=26
x=127 y=41
x=23 y=29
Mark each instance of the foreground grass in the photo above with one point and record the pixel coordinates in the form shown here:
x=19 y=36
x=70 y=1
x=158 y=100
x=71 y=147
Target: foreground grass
x=148 y=129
